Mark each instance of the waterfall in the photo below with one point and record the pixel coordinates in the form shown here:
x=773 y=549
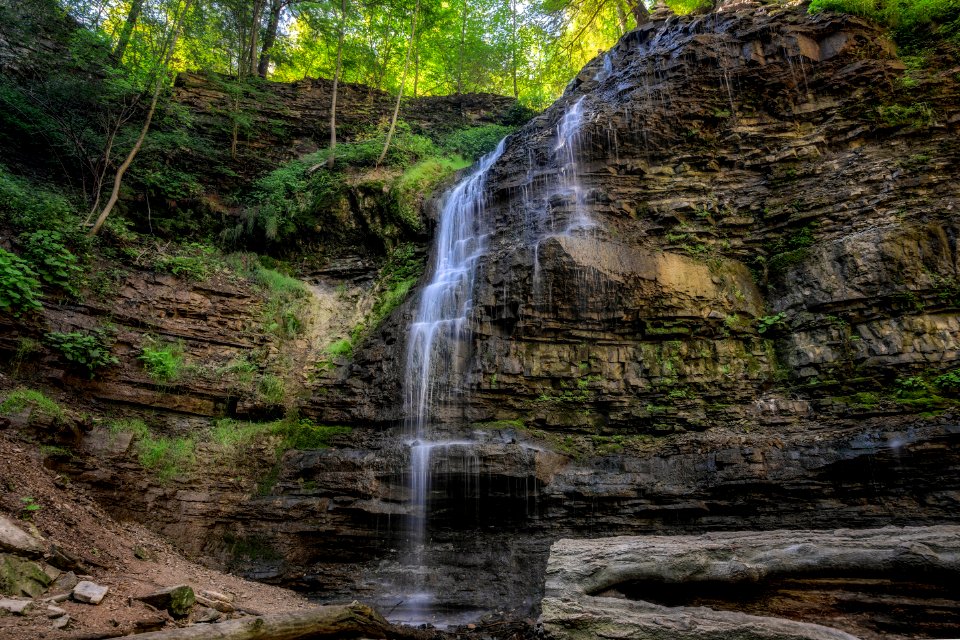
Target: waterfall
x=437 y=346
x=441 y=325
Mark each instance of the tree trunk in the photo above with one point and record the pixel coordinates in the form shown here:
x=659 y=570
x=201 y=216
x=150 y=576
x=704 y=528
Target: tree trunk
x=341 y=621
x=135 y=8
x=513 y=48
x=336 y=84
x=254 y=34
x=270 y=37
x=621 y=18
x=161 y=81
x=403 y=79
x=640 y=13
x=463 y=41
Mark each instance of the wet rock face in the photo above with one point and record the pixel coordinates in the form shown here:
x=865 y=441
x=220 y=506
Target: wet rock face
x=760 y=213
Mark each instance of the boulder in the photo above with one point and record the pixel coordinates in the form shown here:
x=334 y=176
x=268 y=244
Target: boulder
x=15 y=540
x=177 y=600
x=89 y=592
x=15 y=606
x=20 y=577
x=667 y=587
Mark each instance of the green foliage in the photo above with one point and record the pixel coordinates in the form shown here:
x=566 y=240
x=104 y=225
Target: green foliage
x=55 y=264
x=167 y=457
x=287 y=298
x=193 y=261
x=341 y=349
x=404 y=267
x=908 y=19
x=19 y=287
x=29 y=207
x=416 y=184
x=917 y=115
x=90 y=351
x=948 y=382
x=20 y=399
x=272 y=389
x=289 y=433
x=28 y=507
x=302 y=434
x=162 y=361
x=772 y=323
x=476 y=142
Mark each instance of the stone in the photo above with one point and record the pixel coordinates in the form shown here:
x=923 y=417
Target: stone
x=89 y=592
x=61 y=622
x=610 y=587
x=204 y=615
x=65 y=582
x=22 y=577
x=216 y=595
x=55 y=612
x=15 y=606
x=15 y=540
x=177 y=600
x=219 y=605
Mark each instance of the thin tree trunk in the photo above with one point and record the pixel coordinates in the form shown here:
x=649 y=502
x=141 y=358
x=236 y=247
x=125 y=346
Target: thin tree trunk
x=513 y=48
x=160 y=82
x=128 y=26
x=270 y=37
x=416 y=68
x=254 y=35
x=463 y=41
x=403 y=79
x=336 y=83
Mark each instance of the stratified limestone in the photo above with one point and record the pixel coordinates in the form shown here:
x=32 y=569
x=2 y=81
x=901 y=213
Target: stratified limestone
x=589 y=582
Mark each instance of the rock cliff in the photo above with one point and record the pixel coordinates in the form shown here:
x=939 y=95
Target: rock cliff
x=755 y=328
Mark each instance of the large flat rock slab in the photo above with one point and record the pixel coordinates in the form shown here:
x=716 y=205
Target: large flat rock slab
x=715 y=585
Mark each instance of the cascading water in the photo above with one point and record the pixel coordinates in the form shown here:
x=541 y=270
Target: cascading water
x=567 y=185
x=436 y=346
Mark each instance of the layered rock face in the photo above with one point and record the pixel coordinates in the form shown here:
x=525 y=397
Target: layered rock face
x=752 y=247
x=716 y=299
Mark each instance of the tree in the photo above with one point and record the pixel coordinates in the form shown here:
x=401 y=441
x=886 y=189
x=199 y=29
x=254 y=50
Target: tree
x=403 y=78
x=336 y=82
x=159 y=82
x=128 y=26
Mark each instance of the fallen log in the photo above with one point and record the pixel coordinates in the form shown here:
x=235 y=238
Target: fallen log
x=342 y=621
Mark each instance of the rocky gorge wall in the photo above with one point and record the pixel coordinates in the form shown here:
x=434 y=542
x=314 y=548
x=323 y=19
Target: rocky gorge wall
x=748 y=336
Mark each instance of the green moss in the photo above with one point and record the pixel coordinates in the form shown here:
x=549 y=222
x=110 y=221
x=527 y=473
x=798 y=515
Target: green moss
x=21 y=399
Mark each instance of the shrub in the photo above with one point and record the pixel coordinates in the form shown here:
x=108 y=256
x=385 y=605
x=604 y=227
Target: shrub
x=29 y=207
x=19 y=287
x=949 y=382
x=476 y=142
x=341 y=348
x=55 y=263
x=90 y=351
x=193 y=261
x=908 y=19
x=271 y=389
x=163 y=362
x=913 y=115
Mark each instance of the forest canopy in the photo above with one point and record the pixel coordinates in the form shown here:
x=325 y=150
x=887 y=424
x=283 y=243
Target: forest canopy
x=528 y=49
